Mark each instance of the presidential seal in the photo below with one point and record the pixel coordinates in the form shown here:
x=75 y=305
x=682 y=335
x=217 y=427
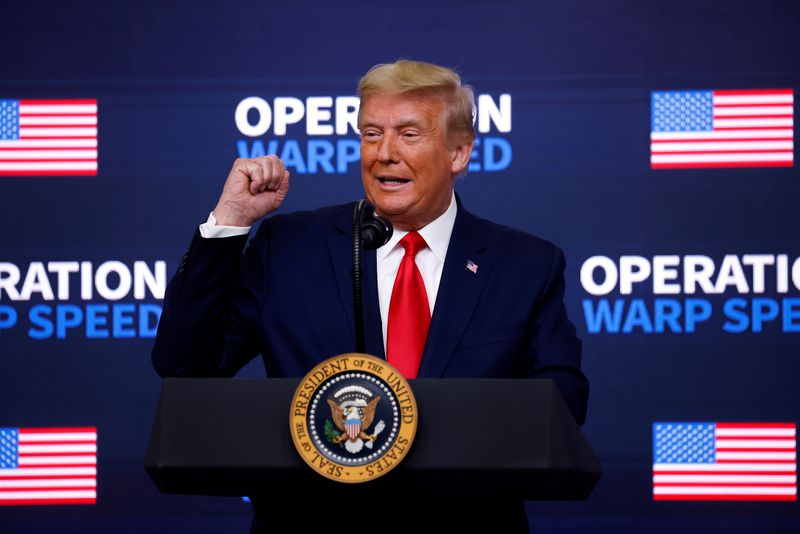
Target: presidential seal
x=353 y=418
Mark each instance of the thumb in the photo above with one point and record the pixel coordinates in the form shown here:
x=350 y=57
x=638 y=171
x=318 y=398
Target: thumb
x=283 y=187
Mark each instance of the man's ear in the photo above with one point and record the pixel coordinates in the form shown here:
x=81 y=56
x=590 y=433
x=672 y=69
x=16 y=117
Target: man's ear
x=461 y=154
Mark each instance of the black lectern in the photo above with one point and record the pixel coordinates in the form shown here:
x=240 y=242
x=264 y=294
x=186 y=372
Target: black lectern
x=487 y=437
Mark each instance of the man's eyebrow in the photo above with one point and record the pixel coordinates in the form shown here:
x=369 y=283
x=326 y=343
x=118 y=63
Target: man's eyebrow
x=403 y=123
x=410 y=122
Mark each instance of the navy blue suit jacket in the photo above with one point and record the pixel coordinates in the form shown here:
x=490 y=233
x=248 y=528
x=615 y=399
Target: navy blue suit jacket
x=289 y=298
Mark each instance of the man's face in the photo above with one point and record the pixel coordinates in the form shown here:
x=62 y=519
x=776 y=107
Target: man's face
x=408 y=165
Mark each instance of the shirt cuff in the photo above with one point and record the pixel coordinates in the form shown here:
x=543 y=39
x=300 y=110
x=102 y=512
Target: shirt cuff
x=210 y=229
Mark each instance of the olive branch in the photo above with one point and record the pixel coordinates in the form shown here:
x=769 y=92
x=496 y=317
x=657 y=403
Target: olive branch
x=330 y=431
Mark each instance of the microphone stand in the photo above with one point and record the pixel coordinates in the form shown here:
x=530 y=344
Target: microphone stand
x=370 y=232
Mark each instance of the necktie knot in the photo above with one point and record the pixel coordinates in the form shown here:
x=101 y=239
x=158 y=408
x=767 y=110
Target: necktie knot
x=413 y=243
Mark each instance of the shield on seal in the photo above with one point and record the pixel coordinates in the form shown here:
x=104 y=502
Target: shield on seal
x=353 y=423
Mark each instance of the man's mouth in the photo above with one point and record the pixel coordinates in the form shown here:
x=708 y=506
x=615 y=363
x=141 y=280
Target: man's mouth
x=393 y=180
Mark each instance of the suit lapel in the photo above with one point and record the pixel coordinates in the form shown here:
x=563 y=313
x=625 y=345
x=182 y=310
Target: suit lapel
x=459 y=290
x=373 y=331
x=340 y=250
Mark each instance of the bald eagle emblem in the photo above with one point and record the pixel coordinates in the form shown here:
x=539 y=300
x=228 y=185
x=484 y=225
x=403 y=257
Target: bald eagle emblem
x=353 y=411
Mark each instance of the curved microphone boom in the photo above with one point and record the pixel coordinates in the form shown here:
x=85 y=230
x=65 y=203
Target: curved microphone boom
x=370 y=232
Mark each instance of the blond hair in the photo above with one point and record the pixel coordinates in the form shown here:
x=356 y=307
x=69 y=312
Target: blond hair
x=406 y=76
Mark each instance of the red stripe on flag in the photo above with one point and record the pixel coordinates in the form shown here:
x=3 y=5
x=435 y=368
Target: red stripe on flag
x=58 y=466
x=89 y=160
x=51 y=488
x=53 y=443
x=723 y=448
x=719 y=152
x=48 y=148
x=711 y=497
x=45 y=174
x=717 y=128
x=726 y=484
x=726 y=117
x=60 y=137
x=77 y=102
x=39 y=114
x=51 y=126
x=23 y=502
x=731 y=472
x=748 y=461
x=750 y=435
x=745 y=92
x=38 y=477
x=704 y=140
x=755 y=105
x=755 y=425
x=721 y=165
x=54 y=454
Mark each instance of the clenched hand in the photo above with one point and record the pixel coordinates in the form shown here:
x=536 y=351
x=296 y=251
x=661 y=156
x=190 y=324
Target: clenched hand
x=255 y=188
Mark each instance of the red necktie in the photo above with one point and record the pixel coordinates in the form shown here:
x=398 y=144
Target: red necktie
x=409 y=313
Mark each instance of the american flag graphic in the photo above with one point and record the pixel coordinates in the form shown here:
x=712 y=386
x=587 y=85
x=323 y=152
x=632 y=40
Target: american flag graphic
x=706 y=129
x=48 y=466
x=353 y=427
x=48 y=137
x=724 y=461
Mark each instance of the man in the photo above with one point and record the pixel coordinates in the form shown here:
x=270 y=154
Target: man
x=450 y=295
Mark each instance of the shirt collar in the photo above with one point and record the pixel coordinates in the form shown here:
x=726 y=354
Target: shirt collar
x=436 y=234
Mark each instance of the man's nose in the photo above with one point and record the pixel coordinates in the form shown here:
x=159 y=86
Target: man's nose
x=387 y=150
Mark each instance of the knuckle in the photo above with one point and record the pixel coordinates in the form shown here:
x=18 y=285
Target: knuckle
x=242 y=163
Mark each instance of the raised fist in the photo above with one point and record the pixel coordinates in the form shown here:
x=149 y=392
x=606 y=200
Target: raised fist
x=254 y=188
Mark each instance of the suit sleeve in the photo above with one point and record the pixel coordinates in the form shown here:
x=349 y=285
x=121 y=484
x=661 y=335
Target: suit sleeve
x=210 y=306
x=555 y=350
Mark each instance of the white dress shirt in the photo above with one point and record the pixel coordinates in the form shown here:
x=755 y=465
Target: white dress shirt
x=211 y=230
x=430 y=260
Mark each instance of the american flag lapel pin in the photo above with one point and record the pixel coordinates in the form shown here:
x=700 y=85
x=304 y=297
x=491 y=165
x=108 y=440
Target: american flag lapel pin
x=472 y=267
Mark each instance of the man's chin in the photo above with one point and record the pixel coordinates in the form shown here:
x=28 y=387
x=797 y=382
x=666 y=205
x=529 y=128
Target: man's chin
x=388 y=205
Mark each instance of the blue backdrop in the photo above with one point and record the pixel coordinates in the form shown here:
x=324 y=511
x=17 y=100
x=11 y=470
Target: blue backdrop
x=566 y=156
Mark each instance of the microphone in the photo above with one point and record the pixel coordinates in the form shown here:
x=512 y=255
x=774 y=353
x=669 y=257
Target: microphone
x=370 y=232
x=375 y=231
